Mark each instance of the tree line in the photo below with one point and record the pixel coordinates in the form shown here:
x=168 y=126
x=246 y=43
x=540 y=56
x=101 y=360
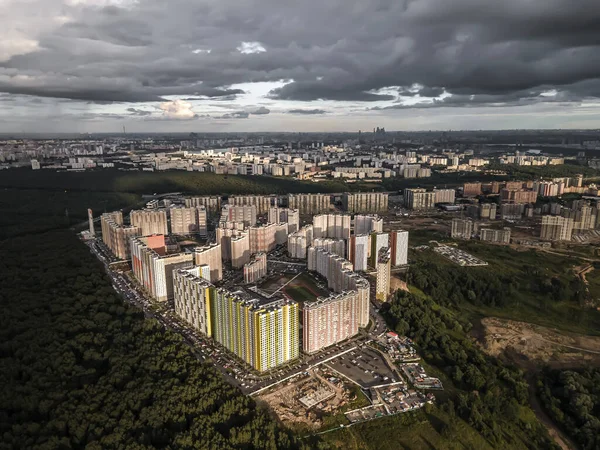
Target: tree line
x=491 y=396
x=81 y=369
x=572 y=398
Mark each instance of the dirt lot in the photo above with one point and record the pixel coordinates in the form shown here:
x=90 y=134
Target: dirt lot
x=529 y=345
x=285 y=399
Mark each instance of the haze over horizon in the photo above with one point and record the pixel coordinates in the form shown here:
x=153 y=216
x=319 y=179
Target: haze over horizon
x=248 y=65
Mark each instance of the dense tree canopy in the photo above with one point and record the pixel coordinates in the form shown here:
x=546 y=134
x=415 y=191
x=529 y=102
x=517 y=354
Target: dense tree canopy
x=492 y=397
x=573 y=401
x=82 y=369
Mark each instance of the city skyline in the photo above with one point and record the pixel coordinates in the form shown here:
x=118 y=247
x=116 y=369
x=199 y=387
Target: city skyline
x=101 y=65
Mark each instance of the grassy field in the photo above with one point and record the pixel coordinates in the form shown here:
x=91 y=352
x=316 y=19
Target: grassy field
x=424 y=430
x=300 y=293
x=304 y=289
x=527 y=305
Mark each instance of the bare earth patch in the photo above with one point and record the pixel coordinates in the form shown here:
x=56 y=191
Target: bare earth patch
x=534 y=344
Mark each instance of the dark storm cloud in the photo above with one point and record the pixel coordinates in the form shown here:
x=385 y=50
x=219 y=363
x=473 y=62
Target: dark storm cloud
x=307 y=111
x=260 y=111
x=138 y=112
x=235 y=115
x=339 y=50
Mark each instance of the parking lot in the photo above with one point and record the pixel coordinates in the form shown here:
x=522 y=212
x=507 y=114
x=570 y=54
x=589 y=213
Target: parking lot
x=365 y=367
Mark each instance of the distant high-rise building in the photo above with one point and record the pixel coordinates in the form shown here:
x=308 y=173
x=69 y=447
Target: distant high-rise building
x=309 y=203
x=472 y=189
x=116 y=236
x=556 y=228
x=245 y=214
x=495 y=236
x=184 y=221
x=202 y=219
x=329 y=320
x=399 y=247
x=262 y=202
x=509 y=211
x=35 y=164
x=256 y=268
x=193 y=296
x=367 y=224
x=337 y=246
x=240 y=250
x=263 y=238
x=335 y=226
x=285 y=215
x=153 y=267
x=444 y=195
x=461 y=229
x=358 y=250
x=520 y=196
x=210 y=255
x=419 y=199
x=384 y=275
x=487 y=211
x=150 y=222
x=378 y=241
x=365 y=202
x=299 y=242
x=212 y=204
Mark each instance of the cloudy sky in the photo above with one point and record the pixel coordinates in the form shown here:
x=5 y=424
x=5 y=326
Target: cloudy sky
x=279 y=65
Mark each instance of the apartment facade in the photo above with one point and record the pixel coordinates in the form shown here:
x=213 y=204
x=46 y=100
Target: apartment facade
x=365 y=202
x=150 y=221
x=210 y=255
x=419 y=199
x=264 y=335
x=256 y=268
x=329 y=320
x=399 y=247
x=384 y=275
x=310 y=203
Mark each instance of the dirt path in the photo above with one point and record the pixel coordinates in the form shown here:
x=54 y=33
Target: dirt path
x=559 y=437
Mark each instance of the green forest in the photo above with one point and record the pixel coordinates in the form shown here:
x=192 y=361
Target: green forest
x=532 y=172
x=521 y=285
x=572 y=398
x=489 y=395
x=83 y=369
x=201 y=183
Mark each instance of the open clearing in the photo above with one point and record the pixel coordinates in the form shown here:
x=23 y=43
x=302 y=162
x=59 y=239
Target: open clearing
x=529 y=344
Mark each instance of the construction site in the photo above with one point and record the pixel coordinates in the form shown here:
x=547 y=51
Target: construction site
x=306 y=398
